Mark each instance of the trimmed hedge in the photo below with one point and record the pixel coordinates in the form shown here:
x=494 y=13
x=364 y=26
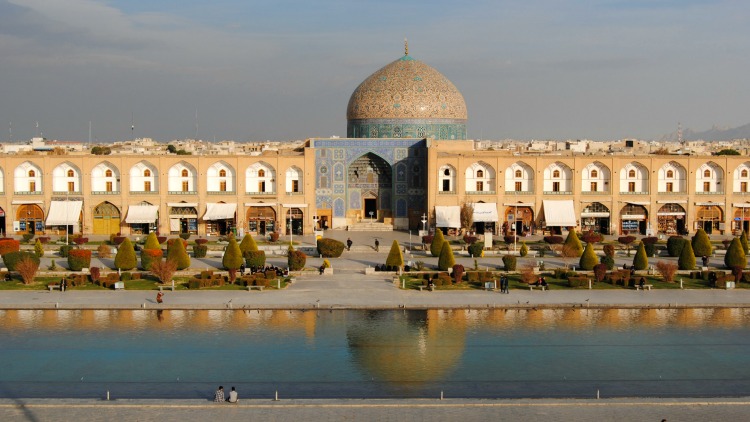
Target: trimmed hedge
x=509 y=262
x=330 y=248
x=152 y=242
x=701 y=244
x=79 y=259
x=640 y=261
x=395 y=257
x=296 y=259
x=735 y=256
x=675 y=245
x=475 y=249
x=687 y=257
x=125 y=258
x=10 y=259
x=149 y=257
x=574 y=243
x=248 y=244
x=437 y=243
x=200 y=251
x=588 y=258
x=446 y=260
x=255 y=259
x=176 y=252
x=64 y=249
x=8 y=245
x=232 y=259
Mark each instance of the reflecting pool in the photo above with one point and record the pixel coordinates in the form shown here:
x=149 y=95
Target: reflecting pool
x=316 y=354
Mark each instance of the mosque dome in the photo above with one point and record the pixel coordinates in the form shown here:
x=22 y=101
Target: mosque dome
x=407 y=98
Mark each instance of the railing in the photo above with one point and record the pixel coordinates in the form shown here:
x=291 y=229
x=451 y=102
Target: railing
x=261 y=193
x=179 y=192
x=519 y=192
x=672 y=193
x=144 y=192
x=446 y=192
x=28 y=193
x=595 y=192
x=65 y=192
x=226 y=192
x=634 y=193
x=709 y=193
x=552 y=192
x=105 y=192
x=294 y=193
x=480 y=192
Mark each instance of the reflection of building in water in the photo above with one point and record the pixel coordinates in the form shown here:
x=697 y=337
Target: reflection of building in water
x=408 y=349
x=728 y=317
x=691 y=317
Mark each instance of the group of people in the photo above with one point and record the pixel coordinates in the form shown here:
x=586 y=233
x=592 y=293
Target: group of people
x=253 y=269
x=504 y=284
x=219 y=396
x=349 y=244
x=541 y=282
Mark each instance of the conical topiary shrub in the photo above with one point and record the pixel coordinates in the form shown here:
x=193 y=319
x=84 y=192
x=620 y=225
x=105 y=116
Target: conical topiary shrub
x=524 y=249
x=588 y=258
x=176 y=252
x=232 y=259
x=735 y=256
x=687 y=258
x=701 y=244
x=640 y=260
x=125 y=258
x=395 y=257
x=446 y=260
x=152 y=242
x=743 y=242
x=248 y=244
x=437 y=243
x=573 y=243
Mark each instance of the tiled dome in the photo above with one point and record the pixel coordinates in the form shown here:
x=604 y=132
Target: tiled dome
x=406 y=89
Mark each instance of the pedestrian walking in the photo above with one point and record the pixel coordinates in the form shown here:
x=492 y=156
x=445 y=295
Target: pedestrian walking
x=377 y=245
x=63 y=285
x=349 y=244
x=160 y=297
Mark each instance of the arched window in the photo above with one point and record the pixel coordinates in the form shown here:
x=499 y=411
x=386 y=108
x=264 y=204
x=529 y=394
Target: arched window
x=447 y=172
x=147 y=173
x=743 y=173
x=556 y=174
x=32 y=173
x=631 y=173
x=261 y=173
x=222 y=173
x=480 y=173
x=594 y=174
x=707 y=173
x=71 y=173
x=184 y=173
x=670 y=174
x=519 y=174
x=108 y=173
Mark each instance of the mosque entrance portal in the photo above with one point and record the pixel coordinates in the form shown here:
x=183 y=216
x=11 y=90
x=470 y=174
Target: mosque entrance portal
x=371 y=208
x=370 y=181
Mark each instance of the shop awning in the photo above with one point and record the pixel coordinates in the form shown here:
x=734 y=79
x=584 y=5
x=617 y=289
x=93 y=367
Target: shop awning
x=294 y=205
x=741 y=204
x=141 y=214
x=559 y=213
x=448 y=216
x=182 y=204
x=260 y=204
x=22 y=202
x=219 y=211
x=485 y=212
x=64 y=213
x=520 y=204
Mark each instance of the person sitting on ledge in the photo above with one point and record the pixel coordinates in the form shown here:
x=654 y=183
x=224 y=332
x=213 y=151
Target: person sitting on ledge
x=322 y=269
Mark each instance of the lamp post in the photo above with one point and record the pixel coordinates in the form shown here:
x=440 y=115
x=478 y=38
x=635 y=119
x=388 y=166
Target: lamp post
x=291 y=231
x=424 y=222
x=67 y=198
x=515 y=228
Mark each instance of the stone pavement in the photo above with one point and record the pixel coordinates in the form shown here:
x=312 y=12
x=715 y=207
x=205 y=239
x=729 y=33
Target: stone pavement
x=354 y=290
x=719 y=409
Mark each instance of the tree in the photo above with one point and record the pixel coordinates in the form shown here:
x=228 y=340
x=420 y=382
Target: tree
x=524 y=249
x=176 y=252
x=171 y=149
x=467 y=215
x=38 y=249
x=164 y=270
x=232 y=259
x=125 y=258
x=295 y=259
x=640 y=261
x=687 y=257
x=152 y=242
x=728 y=151
x=701 y=243
x=735 y=256
x=446 y=260
x=27 y=268
x=743 y=242
x=574 y=242
x=588 y=258
x=600 y=271
x=566 y=252
x=248 y=244
x=437 y=243
x=627 y=241
x=667 y=270
x=395 y=257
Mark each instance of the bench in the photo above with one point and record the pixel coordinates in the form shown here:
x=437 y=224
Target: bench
x=120 y=285
x=52 y=287
x=166 y=286
x=531 y=287
x=255 y=288
x=644 y=287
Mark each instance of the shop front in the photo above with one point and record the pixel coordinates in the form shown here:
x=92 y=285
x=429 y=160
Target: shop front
x=220 y=218
x=485 y=217
x=633 y=219
x=709 y=217
x=741 y=220
x=2 y=222
x=595 y=217
x=261 y=218
x=518 y=218
x=29 y=219
x=183 y=217
x=64 y=217
x=106 y=219
x=671 y=219
x=558 y=215
x=142 y=218
x=294 y=219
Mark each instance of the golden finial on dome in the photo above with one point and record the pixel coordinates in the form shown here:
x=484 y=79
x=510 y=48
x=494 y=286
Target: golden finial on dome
x=406 y=47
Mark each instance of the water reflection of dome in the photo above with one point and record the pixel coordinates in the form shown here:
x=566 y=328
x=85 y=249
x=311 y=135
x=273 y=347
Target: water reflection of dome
x=407 y=350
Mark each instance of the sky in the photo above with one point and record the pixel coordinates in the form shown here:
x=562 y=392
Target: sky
x=277 y=70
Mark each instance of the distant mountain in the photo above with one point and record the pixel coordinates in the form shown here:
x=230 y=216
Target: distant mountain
x=714 y=134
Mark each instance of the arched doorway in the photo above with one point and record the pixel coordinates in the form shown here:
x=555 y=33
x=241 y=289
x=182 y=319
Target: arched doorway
x=709 y=218
x=741 y=218
x=518 y=219
x=671 y=219
x=595 y=217
x=633 y=219
x=294 y=219
x=370 y=178
x=30 y=219
x=261 y=219
x=106 y=219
